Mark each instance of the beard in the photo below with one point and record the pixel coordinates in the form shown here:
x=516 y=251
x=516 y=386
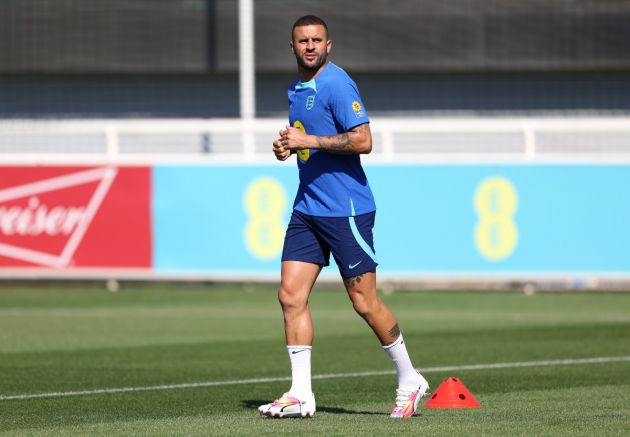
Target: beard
x=313 y=67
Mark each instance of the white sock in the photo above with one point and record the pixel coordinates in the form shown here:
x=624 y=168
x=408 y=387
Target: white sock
x=408 y=377
x=300 y=357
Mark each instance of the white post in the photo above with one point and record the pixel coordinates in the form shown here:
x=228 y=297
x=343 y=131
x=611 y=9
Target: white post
x=111 y=141
x=387 y=137
x=530 y=142
x=247 y=72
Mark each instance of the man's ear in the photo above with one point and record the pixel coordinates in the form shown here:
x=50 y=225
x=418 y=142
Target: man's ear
x=291 y=46
x=328 y=46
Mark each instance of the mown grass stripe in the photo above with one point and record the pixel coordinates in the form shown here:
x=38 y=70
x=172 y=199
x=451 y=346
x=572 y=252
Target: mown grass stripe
x=488 y=366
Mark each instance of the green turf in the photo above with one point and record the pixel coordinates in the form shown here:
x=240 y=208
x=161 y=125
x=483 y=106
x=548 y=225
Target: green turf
x=78 y=337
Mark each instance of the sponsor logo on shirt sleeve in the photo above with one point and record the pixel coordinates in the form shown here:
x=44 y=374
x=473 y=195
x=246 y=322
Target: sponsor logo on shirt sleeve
x=358 y=110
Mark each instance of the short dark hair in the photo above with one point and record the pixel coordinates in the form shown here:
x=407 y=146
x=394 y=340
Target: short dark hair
x=308 y=20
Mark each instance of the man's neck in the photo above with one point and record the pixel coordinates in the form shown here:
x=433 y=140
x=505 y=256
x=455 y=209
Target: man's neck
x=308 y=75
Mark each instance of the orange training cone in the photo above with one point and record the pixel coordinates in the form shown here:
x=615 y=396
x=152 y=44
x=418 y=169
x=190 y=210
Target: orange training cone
x=452 y=393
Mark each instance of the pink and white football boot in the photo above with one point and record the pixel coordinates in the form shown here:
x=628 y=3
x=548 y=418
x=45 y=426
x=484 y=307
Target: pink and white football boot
x=289 y=406
x=407 y=401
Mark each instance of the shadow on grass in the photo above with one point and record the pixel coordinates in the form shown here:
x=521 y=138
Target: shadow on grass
x=255 y=403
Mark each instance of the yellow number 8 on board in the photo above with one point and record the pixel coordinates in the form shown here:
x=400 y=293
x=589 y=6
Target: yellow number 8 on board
x=265 y=203
x=496 y=233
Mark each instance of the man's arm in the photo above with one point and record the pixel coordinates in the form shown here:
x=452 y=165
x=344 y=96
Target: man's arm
x=356 y=140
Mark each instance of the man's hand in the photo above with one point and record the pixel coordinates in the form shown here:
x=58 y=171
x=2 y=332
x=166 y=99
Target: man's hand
x=293 y=138
x=282 y=153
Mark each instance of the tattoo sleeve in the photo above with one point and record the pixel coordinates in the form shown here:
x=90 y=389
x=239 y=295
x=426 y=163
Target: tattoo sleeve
x=394 y=332
x=356 y=140
x=335 y=143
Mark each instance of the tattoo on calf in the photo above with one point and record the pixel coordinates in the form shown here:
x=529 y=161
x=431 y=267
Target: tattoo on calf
x=395 y=331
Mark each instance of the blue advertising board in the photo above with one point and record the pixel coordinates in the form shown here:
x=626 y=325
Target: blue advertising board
x=432 y=219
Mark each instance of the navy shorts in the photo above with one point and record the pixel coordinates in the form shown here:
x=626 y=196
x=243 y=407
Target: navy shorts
x=312 y=239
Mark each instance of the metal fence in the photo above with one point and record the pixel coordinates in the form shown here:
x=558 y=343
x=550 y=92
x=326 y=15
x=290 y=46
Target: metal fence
x=395 y=139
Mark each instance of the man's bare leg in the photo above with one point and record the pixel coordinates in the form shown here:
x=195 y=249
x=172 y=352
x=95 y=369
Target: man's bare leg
x=296 y=283
x=368 y=304
x=297 y=280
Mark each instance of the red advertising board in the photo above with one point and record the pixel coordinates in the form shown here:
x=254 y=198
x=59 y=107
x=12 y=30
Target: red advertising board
x=75 y=217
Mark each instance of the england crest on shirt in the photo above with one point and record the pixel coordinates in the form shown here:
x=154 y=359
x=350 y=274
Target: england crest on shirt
x=310 y=102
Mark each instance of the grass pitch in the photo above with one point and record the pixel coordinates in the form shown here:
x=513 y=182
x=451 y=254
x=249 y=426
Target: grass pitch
x=79 y=338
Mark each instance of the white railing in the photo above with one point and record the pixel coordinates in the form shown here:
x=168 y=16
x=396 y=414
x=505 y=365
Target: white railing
x=395 y=139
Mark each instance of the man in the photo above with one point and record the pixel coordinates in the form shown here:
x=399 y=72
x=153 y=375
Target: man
x=333 y=212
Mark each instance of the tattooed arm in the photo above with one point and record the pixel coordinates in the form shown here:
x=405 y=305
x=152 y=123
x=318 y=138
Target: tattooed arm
x=356 y=140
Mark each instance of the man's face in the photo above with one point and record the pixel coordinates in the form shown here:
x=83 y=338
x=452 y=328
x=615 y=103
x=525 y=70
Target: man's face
x=311 y=46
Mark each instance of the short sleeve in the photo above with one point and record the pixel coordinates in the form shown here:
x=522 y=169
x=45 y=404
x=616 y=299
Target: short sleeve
x=346 y=105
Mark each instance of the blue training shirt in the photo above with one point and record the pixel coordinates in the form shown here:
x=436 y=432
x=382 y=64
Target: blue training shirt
x=331 y=185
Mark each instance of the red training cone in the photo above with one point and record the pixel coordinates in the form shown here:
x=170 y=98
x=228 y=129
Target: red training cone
x=452 y=393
